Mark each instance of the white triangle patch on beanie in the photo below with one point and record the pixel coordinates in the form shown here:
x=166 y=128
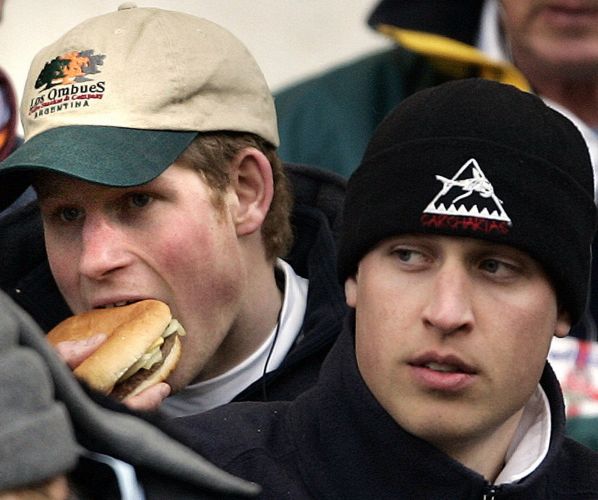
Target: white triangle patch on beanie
x=468 y=193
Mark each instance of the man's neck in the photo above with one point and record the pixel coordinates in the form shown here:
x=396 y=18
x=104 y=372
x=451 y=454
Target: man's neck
x=255 y=320
x=486 y=454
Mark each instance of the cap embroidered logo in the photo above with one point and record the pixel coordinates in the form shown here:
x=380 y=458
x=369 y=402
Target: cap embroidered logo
x=71 y=71
x=468 y=193
x=69 y=68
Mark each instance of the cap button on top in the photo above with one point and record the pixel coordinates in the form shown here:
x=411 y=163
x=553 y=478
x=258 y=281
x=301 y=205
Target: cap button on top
x=127 y=6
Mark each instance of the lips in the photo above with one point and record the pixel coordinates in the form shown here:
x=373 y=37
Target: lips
x=109 y=303
x=437 y=372
x=118 y=304
x=564 y=15
x=439 y=367
x=443 y=363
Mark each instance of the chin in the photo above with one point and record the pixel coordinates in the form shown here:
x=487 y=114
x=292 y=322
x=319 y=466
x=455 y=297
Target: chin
x=573 y=60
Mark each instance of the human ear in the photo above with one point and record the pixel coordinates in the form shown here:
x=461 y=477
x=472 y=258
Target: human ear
x=253 y=187
x=351 y=291
x=563 y=323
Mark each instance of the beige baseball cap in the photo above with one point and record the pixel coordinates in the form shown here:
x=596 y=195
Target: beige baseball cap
x=119 y=97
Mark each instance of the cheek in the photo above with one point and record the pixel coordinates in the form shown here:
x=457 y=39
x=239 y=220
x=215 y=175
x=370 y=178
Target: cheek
x=63 y=261
x=384 y=314
x=202 y=263
x=533 y=317
x=525 y=331
x=378 y=351
x=206 y=280
x=515 y=13
x=351 y=292
x=191 y=229
x=194 y=246
x=381 y=334
x=61 y=264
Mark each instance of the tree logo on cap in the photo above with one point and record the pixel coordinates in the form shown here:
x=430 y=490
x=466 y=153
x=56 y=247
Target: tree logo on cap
x=69 y=68
x=63 y=83
x=466 y=198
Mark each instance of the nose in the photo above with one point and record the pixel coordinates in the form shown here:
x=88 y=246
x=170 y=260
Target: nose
x=102 y=249
x=449 y=307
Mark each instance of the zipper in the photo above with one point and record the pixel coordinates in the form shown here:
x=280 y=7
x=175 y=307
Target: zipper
x=491 y=492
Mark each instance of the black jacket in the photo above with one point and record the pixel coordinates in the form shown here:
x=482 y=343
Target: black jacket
x=316 y=219
x=336 y=442
x=25 y=275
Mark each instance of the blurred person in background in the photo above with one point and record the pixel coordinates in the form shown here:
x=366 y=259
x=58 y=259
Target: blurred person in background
x=549 y=47
x=9 y=138
x=8 y=111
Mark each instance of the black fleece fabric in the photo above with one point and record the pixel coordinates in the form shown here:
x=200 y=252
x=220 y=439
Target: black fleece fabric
x=335 y=441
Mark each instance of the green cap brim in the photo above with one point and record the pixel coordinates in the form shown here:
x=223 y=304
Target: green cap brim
x=112 y=156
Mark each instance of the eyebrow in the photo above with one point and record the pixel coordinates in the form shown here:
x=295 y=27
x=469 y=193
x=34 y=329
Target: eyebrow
x=52 y=187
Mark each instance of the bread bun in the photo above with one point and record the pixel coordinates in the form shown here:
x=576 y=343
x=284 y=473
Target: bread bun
x=142 y=347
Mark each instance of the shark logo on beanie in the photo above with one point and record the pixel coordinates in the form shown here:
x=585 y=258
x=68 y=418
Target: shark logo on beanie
x=467 y=200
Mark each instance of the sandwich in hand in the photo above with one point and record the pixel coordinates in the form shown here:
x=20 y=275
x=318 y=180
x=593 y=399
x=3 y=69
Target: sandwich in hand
x=142 y=347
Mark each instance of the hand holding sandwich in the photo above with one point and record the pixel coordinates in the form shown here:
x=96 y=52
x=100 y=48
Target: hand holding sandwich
x=126 y=352
x=74 y=352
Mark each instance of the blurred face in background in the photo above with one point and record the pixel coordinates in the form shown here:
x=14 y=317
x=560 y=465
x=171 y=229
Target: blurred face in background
x=54 y=489
x=557 y=35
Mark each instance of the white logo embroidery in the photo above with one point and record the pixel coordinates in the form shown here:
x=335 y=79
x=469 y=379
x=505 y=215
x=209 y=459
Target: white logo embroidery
x=468 y=193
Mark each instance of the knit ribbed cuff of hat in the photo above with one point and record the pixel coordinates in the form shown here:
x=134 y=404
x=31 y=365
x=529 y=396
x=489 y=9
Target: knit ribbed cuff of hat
x=36 y=448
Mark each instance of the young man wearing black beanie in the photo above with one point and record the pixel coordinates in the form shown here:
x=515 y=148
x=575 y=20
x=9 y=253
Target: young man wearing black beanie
x=466 y=249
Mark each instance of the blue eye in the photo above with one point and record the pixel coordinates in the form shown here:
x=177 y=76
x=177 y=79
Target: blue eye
x=70 y=214
x=491 y=265
x=404 y=254
x=140 y=200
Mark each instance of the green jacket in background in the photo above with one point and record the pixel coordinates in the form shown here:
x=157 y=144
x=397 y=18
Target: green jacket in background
x=327 y=120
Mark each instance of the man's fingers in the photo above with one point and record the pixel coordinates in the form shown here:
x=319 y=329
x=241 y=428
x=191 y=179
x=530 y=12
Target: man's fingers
x=150 y=399
x=74 y=352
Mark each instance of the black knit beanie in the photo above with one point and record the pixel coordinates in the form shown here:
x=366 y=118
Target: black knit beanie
x=480 y=159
